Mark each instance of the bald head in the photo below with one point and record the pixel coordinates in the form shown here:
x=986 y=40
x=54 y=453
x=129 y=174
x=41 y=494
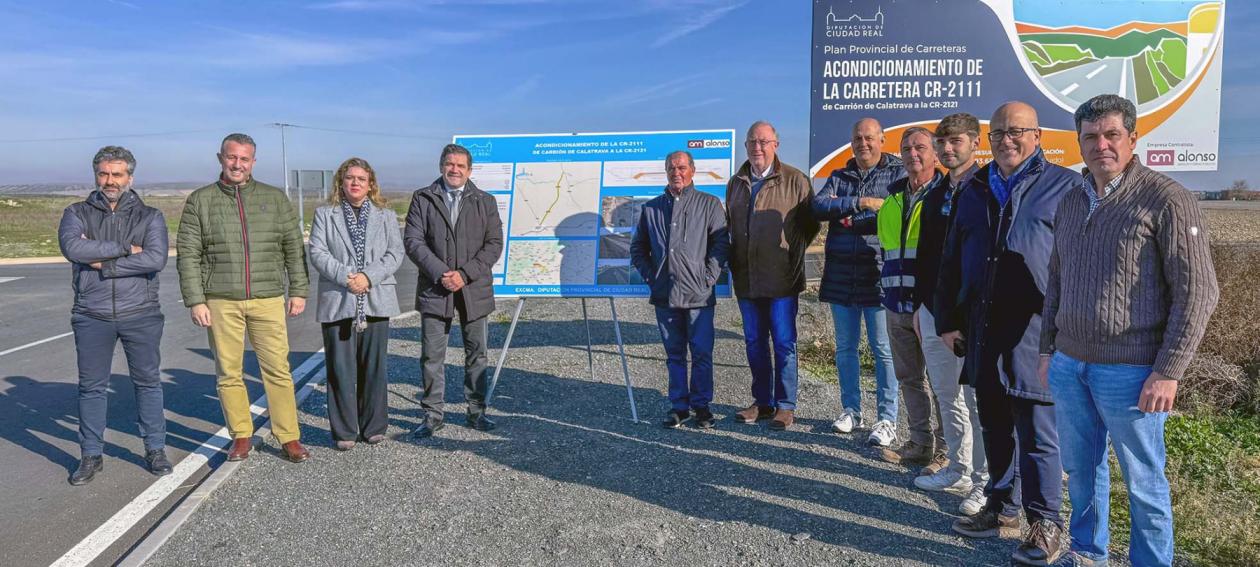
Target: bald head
x=868 y=141
x=1014 y=135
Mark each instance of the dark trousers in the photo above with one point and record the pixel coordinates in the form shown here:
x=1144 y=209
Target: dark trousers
x=771 y=320
x=435 y=332
x=358 y=383
x=683 y=330
x=1021 y=444
x=94 y=341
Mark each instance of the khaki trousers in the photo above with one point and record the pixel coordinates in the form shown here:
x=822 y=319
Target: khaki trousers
x=911 y=371
x=264 y=320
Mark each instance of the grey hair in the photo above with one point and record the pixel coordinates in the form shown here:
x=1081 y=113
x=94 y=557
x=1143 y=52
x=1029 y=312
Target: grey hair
x=114 y=153
x=759 y=123
x=671 y=155
x=858 y=124
x=239 y=138
x=916 y=130
x=455 y=149
x=1096 y=108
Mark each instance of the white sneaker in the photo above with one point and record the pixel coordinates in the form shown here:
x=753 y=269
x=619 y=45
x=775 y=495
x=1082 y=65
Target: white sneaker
x=945 y=480
x=974 y=501
x=884 y=434
x=847 y=421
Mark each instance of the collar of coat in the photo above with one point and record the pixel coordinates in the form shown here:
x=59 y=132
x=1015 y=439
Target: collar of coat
x=903 y=184
x=128 y=199
x=230 y=190
x=745 y=171
x=1032 y=166
x=438 y=189
x=1128 y=178
x=686 y=191
x=886 y=160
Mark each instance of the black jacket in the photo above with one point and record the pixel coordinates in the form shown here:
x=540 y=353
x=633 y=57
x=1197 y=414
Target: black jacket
x=127 y=284
x=934 y=224
x=679 y=248
x=471 y=247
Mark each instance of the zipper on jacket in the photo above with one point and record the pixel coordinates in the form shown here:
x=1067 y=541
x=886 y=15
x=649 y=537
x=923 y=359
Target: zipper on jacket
x=113 y=282
x=240 y=209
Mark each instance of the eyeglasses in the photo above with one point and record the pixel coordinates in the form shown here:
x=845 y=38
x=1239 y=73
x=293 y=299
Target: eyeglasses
x=1012 y=133
x=762 y=143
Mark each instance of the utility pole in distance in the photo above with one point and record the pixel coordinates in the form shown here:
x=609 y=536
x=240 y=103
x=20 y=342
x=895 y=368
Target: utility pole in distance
x=284 y=162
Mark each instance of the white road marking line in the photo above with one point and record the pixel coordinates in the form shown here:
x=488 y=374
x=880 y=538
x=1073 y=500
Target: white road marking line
x=1096 y=71
x=36 y=343
x=10 y=279
x=1070 y=88
x=1124 y=78
x=98 y=541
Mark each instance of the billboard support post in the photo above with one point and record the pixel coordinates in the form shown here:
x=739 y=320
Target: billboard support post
x=621 y=349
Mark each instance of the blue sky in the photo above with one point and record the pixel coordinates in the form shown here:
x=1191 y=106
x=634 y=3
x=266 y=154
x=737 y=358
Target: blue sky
x=406 y=75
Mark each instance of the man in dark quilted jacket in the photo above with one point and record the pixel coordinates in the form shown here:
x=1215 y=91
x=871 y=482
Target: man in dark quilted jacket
x=239 y=247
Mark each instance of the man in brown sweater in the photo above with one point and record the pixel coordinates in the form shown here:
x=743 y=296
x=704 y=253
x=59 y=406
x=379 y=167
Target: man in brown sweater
x=1130 y=291
x=768 y=213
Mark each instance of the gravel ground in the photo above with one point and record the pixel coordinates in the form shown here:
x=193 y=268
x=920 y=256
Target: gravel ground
x=569 y=479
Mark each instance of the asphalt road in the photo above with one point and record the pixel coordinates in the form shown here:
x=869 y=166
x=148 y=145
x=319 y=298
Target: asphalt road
x=43 y=516
x=1079 y=84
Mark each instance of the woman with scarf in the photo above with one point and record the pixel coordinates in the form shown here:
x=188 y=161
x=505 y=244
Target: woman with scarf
x=356 y=247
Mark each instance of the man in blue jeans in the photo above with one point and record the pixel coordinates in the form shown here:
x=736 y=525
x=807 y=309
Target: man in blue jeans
x=768 y=212
x=679 y=248
x=1120 y=328
x=116 y=246
x=849 y=202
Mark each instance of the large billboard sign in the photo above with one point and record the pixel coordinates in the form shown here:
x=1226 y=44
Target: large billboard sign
x=911 y=63
x=570 y=202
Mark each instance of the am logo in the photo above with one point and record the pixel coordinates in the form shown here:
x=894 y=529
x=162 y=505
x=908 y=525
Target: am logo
x=1161 y=157
x=695 y=144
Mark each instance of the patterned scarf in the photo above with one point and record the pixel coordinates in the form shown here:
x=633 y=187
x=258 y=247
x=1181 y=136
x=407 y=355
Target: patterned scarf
x=358 y=239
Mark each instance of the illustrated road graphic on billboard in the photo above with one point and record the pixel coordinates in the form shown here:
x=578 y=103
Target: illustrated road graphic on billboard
x=1139 y=60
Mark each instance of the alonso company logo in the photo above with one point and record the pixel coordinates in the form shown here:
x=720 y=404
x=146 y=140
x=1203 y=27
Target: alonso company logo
x=1161 y=157
x=1170 y=158
x=702 y=144
x=855 y=25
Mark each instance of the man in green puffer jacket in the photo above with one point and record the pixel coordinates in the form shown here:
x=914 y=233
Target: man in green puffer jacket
x=238 y=243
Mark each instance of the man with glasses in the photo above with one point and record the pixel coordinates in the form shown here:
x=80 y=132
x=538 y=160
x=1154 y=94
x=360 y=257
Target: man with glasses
x=989 y=300
x=849 y=201
x=962 y=468
x=767 y=205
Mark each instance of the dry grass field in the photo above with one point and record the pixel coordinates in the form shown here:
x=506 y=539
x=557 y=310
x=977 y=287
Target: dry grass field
x=28 y=224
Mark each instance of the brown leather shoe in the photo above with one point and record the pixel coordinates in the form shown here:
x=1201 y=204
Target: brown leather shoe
x=910 y=453
x=294 y=452
x=240 y=449
x=753 y=414
x=938 y=462
x=783 y=419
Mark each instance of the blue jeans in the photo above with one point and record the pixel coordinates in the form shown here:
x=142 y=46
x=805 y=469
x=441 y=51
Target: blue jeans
x=683 y=329
x=848 y=323
x=1094 y=402
x=94 y=341
x=767 y=319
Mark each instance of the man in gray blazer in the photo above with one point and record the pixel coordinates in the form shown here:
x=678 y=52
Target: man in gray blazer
x=454 y=236
x=356 y=248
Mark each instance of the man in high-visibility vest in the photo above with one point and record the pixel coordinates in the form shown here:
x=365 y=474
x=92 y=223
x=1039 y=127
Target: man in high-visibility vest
x=898 y=231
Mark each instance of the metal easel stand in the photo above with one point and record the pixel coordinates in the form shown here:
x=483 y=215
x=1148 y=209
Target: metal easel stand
x=590 y=357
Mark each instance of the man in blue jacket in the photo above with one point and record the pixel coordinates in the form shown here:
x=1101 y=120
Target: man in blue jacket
x=849 y=202
x=679 y=248
x=117 y=246
x=989 y=297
